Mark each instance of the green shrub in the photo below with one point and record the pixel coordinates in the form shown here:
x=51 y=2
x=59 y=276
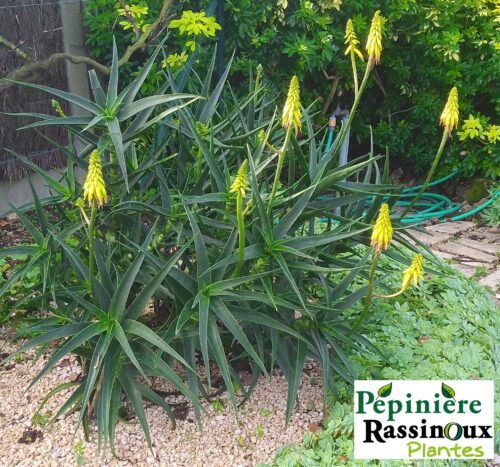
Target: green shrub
x=429 y=47
x=491 y=214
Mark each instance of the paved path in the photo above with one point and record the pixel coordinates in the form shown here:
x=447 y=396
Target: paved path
x=473 y=250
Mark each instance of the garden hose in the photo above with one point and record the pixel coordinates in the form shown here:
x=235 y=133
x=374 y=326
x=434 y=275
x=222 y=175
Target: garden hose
x=430 y=205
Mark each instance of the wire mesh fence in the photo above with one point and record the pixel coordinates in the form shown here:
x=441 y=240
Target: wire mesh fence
x=31 y=32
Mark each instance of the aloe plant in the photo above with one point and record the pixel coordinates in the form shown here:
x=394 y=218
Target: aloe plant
x=261 y=281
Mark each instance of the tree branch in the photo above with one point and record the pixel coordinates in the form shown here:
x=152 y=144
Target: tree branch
x=13 y=47
x=34 y=70
x=141 y=41
x=333 y=89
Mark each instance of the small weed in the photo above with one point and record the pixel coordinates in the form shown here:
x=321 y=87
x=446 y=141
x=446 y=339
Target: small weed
x=266 y=413
x=217 y=405
x=189 y=437
x=259 y=431
x=240 y=441
x=480 y=271
x=310 y=405
x=313 y=381
x=79 y=451
x=41 y=420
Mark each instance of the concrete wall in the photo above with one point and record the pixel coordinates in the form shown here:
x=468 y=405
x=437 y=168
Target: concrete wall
x=19 y=193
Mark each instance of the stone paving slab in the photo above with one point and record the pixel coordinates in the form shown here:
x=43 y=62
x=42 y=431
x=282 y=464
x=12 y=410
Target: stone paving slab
x=469 y=262
x=443 y=254
x=467 y=248
x=491 y=248
x=451 y=228
x=484 y=234
x=492 y=280
x=459 y=250
x=465 y=270
x=431 y=238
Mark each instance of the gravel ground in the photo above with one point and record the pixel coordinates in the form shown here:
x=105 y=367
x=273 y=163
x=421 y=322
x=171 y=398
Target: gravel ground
x=224 y=440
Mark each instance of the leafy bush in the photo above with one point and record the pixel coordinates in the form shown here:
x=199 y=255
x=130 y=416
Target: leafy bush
x=492 y=213
x=487 y=156
x=430 y=47
x=200 y=221
x=431 y=334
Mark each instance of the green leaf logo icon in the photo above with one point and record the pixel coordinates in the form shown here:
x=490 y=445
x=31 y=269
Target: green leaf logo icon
x=447 y=391
x=385 y=391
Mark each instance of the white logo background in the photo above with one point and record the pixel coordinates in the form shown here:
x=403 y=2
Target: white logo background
x=424 y=390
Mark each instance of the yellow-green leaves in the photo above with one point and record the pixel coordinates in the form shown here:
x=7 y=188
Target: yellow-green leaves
x=175 y=61
x=134 y=17
x=449 y=117
x=291 y=110
x=471 y=128
x=492 y=133
x=382 y=230
x=374 y=42
x=240 y=184
x=351 y=40
x=94 y=189
x=194 y=24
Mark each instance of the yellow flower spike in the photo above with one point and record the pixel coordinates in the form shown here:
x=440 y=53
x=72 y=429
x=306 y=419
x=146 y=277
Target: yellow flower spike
x=291 y=110
x=57 y=108
x=382 y=230
x=413 y=273
x=374 y=42
x=351 y=40
x=449 y=117
x=240 y=184
x=94 y=189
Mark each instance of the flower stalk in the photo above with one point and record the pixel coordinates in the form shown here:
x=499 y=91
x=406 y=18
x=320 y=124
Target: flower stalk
x=374 y=50
x=290 y=118
x=93 y=213
x=240 y=187
x=449 y=121
x=258 y=78
x=94 y=193
x=380 y=240
x=279 y=168
x=352 y=42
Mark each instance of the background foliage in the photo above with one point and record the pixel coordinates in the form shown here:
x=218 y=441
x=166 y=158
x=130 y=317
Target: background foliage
x=428 y=48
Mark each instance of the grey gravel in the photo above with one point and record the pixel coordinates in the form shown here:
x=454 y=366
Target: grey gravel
x=224 y=441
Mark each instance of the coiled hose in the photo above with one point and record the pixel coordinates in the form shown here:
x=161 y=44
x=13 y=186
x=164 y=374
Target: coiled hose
x=430 y=205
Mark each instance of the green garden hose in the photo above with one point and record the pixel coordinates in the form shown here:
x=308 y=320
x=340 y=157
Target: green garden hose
x=430 y=205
